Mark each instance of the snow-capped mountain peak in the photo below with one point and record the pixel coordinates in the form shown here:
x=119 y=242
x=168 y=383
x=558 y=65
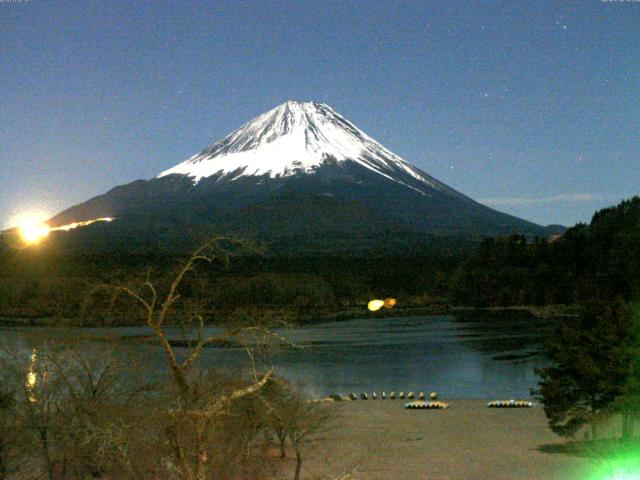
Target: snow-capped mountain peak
x=293 y=173
x=297 y=137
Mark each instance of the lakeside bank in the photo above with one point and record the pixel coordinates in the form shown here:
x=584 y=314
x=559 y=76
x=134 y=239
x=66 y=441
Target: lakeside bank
x=380 y=440
x=300 y=315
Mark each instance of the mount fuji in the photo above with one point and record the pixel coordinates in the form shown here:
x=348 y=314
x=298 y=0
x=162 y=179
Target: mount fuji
x=297 y=138
x=298 y=172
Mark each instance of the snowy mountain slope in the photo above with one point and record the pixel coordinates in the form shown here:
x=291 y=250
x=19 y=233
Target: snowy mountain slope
x=298 y=137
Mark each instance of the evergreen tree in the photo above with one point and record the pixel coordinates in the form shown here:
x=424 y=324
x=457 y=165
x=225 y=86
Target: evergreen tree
x=629 y=402
x=592 y=364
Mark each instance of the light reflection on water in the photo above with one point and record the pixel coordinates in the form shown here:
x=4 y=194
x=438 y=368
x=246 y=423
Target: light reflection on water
x=456 y=357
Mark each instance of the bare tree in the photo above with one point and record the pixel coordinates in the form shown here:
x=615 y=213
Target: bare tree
x=308 y=422
x=12 y=443
x=73 y=398
x=194 y=411
x=99 y=395
x=42 y=403
x=293 y=417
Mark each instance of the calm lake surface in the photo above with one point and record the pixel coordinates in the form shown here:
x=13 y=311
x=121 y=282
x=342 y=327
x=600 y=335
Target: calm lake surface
x=489 y=356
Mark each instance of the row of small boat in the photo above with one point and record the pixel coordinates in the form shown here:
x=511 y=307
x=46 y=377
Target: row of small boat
x=421 y=404
x=510 y=404
x=393 y=396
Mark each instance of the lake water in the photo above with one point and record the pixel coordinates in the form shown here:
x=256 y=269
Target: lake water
x=492 y=356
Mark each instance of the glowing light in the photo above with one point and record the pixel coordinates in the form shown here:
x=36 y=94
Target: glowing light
x=71 y=226
x=623 y=473
x=390 y=302
x=32 y=377
x=621 y=464
x=375 y=305
x=32 y=230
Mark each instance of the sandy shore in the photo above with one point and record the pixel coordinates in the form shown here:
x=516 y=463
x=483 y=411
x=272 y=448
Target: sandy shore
x=466 y=441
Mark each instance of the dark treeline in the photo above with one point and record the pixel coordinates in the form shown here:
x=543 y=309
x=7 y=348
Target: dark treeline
x=42 y=282
x=599 y=260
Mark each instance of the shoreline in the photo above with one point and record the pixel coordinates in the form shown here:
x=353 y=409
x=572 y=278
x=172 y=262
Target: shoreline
x=307 y=316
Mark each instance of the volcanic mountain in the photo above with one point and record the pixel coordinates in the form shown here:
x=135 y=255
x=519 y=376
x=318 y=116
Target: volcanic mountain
x=298 y=172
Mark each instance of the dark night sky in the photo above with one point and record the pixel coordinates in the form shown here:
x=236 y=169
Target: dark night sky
x=532 y=107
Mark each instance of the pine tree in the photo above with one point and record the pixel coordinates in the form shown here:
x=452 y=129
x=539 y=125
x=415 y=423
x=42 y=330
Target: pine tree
x=592 y=365
x=629 y=402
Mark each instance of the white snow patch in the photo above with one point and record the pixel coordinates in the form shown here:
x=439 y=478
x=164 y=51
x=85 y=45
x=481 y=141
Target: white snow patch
x=295 y=137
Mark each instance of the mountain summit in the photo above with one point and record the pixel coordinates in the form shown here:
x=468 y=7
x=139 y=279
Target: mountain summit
x=300 y=172
x=298 y=137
